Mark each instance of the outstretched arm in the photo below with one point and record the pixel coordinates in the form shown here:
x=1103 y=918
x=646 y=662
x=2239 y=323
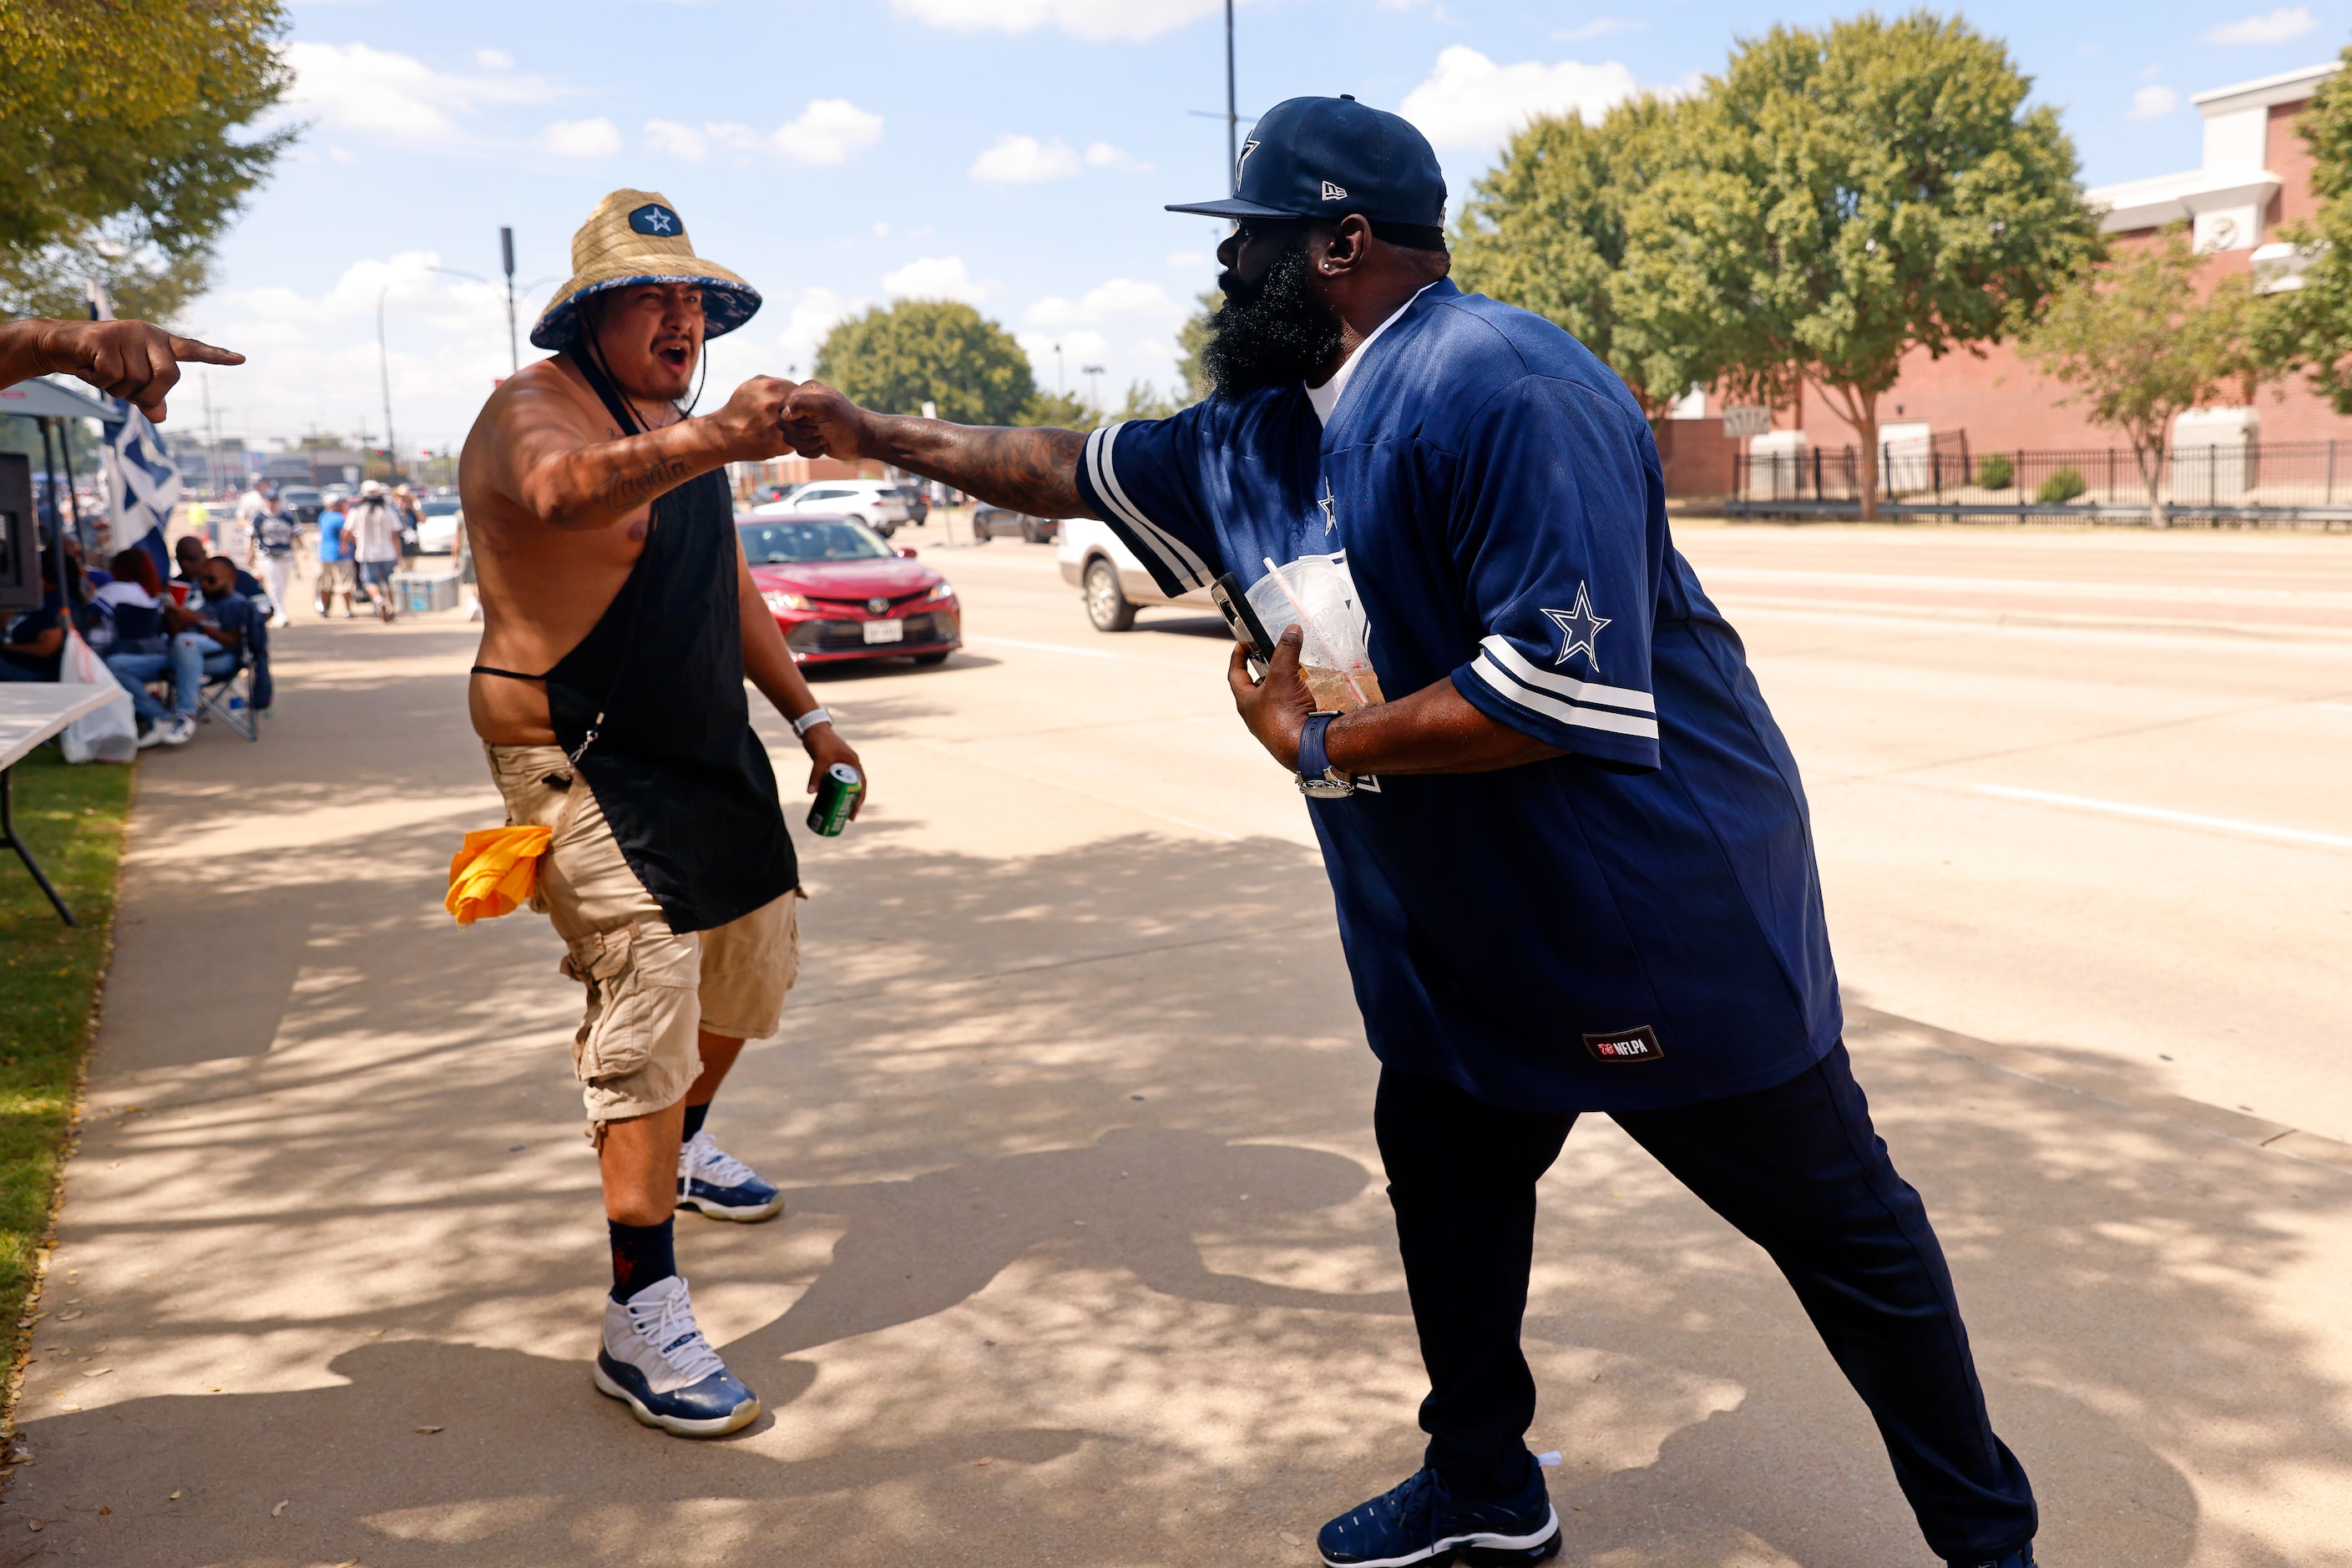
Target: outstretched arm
x=1034 y=470
x=130 y=359
x=571 y=470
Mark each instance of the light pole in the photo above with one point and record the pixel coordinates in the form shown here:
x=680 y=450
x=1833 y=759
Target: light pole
x=1094 y=373
x=1061 y=382
x=505 y=251
x=384 y=370
x=1233 y=116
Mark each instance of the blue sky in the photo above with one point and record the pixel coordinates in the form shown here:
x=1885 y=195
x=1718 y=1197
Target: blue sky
x=1015 y=153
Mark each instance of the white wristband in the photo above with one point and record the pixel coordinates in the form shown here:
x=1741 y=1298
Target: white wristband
x=810 y=721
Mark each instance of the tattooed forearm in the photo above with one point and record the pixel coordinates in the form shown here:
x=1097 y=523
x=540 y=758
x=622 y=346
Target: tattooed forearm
x=1032 y=471
x=625 y=491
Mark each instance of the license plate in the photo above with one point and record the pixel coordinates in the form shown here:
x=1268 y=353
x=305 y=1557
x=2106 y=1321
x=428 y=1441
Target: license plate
x=886 y=631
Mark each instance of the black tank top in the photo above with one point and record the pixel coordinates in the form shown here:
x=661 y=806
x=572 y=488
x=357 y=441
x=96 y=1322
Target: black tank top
x=681 y=776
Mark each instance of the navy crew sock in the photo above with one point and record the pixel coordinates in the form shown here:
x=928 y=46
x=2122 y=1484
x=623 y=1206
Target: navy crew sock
x=694 y=1117
x=643 y=1255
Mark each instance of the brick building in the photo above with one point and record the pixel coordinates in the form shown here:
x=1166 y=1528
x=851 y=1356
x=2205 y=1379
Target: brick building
x=2254 y=177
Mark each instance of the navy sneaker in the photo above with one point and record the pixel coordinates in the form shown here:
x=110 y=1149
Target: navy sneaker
x=1424 y=1521
x=2020 y=1558
x=720 y=1186
x=656 y=1360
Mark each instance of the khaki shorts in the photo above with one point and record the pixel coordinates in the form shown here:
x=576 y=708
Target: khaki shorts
x=649 y=987
x=337 y=577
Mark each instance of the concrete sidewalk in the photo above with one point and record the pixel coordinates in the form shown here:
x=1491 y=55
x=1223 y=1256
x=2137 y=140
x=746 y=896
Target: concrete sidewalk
x=1087 y=1260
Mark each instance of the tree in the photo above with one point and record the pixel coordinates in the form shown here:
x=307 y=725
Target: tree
x=125 y=143
x=895 y=358
x=1840 y=199
x=2310 y=328
x=2139 y=346
x=1057 y=409
x=1145 y=401
x=1191 y=338
x=1546 y=231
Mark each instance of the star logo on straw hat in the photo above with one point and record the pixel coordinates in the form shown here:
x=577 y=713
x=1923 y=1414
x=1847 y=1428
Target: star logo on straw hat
x=1580 y=629
x=655 y=218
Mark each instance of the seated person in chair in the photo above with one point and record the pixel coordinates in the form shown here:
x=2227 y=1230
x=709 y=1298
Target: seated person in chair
x=33 y=643
x=206 y=639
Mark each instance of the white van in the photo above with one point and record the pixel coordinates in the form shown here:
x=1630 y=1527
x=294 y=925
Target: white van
x=1111 y=579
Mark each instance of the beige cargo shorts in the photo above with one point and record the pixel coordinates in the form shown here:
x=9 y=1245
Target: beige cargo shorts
x=649 y=987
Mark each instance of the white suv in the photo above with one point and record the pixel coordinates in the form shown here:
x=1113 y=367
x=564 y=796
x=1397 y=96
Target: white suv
x=879 y=504
x=1113 y=581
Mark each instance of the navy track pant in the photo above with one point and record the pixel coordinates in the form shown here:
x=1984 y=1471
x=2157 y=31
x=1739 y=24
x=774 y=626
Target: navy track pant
x=1797 y=1169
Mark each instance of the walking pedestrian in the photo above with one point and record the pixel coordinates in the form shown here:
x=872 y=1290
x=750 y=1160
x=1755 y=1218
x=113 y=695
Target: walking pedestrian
x=375 y=526
x=338 y=575
x=271 y=554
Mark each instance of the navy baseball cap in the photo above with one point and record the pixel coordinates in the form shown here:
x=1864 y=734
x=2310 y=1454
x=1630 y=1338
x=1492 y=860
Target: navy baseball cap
x=1315 y=157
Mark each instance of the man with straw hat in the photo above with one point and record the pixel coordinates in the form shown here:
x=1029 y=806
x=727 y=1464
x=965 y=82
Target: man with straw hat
x=619 y=624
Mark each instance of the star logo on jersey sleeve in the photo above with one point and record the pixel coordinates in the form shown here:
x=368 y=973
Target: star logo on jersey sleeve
x=1580 y=629
x=1329 y=503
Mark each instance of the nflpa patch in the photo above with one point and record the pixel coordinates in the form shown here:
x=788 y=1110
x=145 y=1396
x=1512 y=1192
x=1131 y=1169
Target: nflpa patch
x=1626 y=1046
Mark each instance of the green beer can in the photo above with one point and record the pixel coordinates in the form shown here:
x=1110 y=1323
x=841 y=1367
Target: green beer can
x=835 y=793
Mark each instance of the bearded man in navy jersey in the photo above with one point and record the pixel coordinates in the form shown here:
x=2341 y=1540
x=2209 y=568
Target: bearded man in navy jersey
x=1571 y=857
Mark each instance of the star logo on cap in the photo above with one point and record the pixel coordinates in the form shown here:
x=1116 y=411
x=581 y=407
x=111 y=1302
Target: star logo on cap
x=655 y=218
x=1248 y=147
x=1580 y=629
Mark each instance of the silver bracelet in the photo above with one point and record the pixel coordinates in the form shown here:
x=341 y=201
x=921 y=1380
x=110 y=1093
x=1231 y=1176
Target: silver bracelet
x=810 y=721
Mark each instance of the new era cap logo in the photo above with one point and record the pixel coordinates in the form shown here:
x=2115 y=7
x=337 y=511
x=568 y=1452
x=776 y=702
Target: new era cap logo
x=1626 y=1046
x=1332 y=193
x=655 y=218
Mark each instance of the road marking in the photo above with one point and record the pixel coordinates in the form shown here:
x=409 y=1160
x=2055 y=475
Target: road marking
x=1044 y=647
x=2158 y=814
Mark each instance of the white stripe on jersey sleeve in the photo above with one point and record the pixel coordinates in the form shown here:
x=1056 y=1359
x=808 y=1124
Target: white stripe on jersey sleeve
x=1181 y=563
x=1565 y=712
x=1568 y=686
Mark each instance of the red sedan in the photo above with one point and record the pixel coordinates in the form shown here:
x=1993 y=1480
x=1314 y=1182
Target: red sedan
x=838 y=592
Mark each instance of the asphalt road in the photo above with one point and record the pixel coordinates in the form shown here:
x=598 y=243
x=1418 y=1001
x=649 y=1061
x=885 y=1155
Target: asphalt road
x=1088 y=1260
x=2084 y=792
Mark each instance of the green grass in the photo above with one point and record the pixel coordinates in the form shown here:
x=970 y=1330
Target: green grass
x=72 y=817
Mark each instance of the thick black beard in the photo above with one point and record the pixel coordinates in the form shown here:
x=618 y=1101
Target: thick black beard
x=1270 y=333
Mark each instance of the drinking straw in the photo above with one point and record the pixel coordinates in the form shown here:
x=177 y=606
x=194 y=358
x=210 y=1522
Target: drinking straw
x=1307 y=627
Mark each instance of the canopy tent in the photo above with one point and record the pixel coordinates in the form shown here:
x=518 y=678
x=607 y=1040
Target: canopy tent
x=44 y=400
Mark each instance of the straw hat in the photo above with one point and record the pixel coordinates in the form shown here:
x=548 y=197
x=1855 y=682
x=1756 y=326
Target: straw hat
x=637 y=236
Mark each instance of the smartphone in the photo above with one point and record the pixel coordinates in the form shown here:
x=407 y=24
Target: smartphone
x=1233 y=602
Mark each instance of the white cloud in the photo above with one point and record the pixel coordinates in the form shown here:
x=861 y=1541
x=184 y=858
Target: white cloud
x=1469 y=102
x=2153 y=102
x=1024 y=160
x=816 y=312
x=829 y=130
x=340 y=155
x=494 y=60
x=1103 y=155
x=1187 y=259
x=677 y=140
x=1091 y=19
x=936 y=278
x=597 y=138
x=2277 y=27
x=398 y=95
x=1105 y=304
x=1599 y=27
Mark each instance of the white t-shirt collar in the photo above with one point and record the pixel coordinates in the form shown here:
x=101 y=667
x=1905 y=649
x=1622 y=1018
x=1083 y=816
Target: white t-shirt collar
x=1326 y=397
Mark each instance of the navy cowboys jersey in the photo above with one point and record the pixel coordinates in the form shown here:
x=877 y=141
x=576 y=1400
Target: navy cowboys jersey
x=1635 y=924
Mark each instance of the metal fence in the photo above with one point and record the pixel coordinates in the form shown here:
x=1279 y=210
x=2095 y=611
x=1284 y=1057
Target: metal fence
x=2281 y=480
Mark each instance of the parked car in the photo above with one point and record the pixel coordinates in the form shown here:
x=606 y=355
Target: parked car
x=877 y=503
x=437 y=530
x=1112 y=580
x=333 y=494
x=839 y=592
x=303 y=501
x=918 y=503
x=995 y=522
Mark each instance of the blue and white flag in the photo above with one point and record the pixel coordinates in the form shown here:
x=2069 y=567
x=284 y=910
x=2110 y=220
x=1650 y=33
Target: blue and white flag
x=142 y=484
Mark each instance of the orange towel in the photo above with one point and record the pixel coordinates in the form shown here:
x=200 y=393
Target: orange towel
x=495 y=871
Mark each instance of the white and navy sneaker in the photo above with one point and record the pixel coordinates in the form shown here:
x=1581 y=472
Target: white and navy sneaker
x=720 y=1186
x=657 y=1362
x=1424 y=1521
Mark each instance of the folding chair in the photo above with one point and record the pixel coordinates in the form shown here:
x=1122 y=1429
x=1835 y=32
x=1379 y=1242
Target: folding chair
x=229 y=699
